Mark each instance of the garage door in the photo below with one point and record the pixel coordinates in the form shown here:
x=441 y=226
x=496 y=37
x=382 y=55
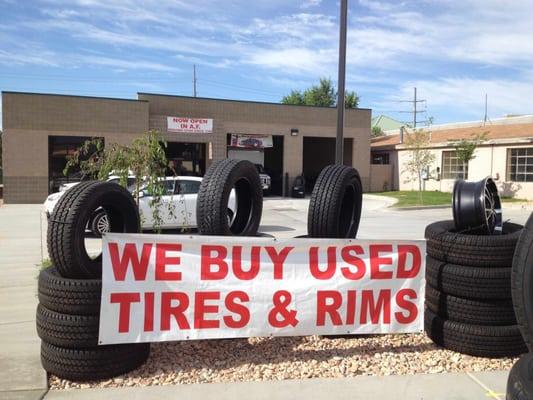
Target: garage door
x=320 y=152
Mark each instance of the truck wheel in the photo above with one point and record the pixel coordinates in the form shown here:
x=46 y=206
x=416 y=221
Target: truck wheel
x=69 y=296
x=67 y=330
x=66 y=226
x=214 y=194
x=475 y=340
x=89 y=364
x=335 y=204
x=444 y=243
x=477 y=312
x=469 y=282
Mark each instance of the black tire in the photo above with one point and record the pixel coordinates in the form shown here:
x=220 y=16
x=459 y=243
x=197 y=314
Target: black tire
x=66 y=226
x=488 y=312
x=469 y=282
x=520 y=380
x=335 y=204
x=214 y=194
x=101 y=362
x=69 y=296
x=96 y=221
x=475 y=340
x=65 y=330
x=444 y=244
x=522 y=283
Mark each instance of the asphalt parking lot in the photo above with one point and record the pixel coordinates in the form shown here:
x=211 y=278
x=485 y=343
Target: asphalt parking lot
x=23 y=246
x=286 y=218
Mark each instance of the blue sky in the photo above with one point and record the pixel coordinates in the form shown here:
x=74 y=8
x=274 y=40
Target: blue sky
x=453 y=51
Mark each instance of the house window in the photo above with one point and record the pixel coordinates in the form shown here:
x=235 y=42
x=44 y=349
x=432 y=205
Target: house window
x=452 y=167
x=520 y=165
x=380 y=158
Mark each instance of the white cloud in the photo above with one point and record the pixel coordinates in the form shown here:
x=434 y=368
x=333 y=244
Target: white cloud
x=439 y=45
x=125 y=64
x=310 y=3
x=466 y=96
x=294 y=59
x=36 y=57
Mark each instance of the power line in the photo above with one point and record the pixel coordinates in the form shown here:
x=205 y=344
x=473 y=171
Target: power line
x=233 y=86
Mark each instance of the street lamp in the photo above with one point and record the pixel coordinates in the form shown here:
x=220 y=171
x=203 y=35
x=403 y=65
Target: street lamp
x=341 y=83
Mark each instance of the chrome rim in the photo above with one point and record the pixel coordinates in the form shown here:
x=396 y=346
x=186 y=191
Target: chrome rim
x=477 y=206
x=102 y=225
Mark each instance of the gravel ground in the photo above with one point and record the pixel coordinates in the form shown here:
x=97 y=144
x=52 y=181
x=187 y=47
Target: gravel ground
x=262 y=359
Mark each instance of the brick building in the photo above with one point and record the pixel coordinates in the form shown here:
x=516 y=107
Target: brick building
x=40 y=130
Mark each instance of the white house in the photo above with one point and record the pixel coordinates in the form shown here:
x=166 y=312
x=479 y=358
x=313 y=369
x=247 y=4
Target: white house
x=506 y=155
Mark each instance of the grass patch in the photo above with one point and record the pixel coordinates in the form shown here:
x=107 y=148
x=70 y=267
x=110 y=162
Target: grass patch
x=46 y=263
x=507 y=199
x=411 y=198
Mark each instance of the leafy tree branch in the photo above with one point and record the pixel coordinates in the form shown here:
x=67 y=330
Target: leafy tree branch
x=323 y=94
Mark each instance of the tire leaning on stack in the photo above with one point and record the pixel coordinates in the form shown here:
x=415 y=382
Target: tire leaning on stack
x=468 y=293
x=520 y=381
x=68 y=314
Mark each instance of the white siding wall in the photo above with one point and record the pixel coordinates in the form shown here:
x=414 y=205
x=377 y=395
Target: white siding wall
x=489 y=160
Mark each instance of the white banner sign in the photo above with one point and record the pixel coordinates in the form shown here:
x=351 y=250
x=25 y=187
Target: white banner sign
x=163 y=287
x=189 y=125
x=251 y=141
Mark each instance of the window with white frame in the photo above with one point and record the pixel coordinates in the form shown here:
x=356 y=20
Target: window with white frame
x=452 y=167
x=520 y=164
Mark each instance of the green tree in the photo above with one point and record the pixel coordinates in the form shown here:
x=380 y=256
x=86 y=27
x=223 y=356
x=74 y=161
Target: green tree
x=420 y=157
x=466 y=148
x=377 y=131
x=351 y=99
x=295 y=97
x=323 y=95
x=144 y=158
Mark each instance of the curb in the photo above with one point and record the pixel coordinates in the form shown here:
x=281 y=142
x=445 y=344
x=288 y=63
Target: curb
x=414 y=208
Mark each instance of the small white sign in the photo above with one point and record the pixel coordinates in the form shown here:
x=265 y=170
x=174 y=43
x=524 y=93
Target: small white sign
x=189 y=125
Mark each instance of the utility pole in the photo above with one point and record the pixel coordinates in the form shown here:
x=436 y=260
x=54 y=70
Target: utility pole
x=194 y=80
x=486 y=109
x=339 y=145
x=415 y=111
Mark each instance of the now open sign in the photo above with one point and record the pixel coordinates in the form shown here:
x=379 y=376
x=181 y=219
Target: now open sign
x=161 y=288
x=189 y=125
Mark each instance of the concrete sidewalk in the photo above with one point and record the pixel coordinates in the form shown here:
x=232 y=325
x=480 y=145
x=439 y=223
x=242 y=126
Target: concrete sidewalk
x=21 y=374
x=476 y=386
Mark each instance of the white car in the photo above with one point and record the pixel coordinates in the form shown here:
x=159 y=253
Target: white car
x=98 y=222
x=177 y=208
x=178 y=204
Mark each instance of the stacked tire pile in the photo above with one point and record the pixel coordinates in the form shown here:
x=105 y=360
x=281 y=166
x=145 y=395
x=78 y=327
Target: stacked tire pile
x=70 y=291
x=468 y=275
x=468 y=291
